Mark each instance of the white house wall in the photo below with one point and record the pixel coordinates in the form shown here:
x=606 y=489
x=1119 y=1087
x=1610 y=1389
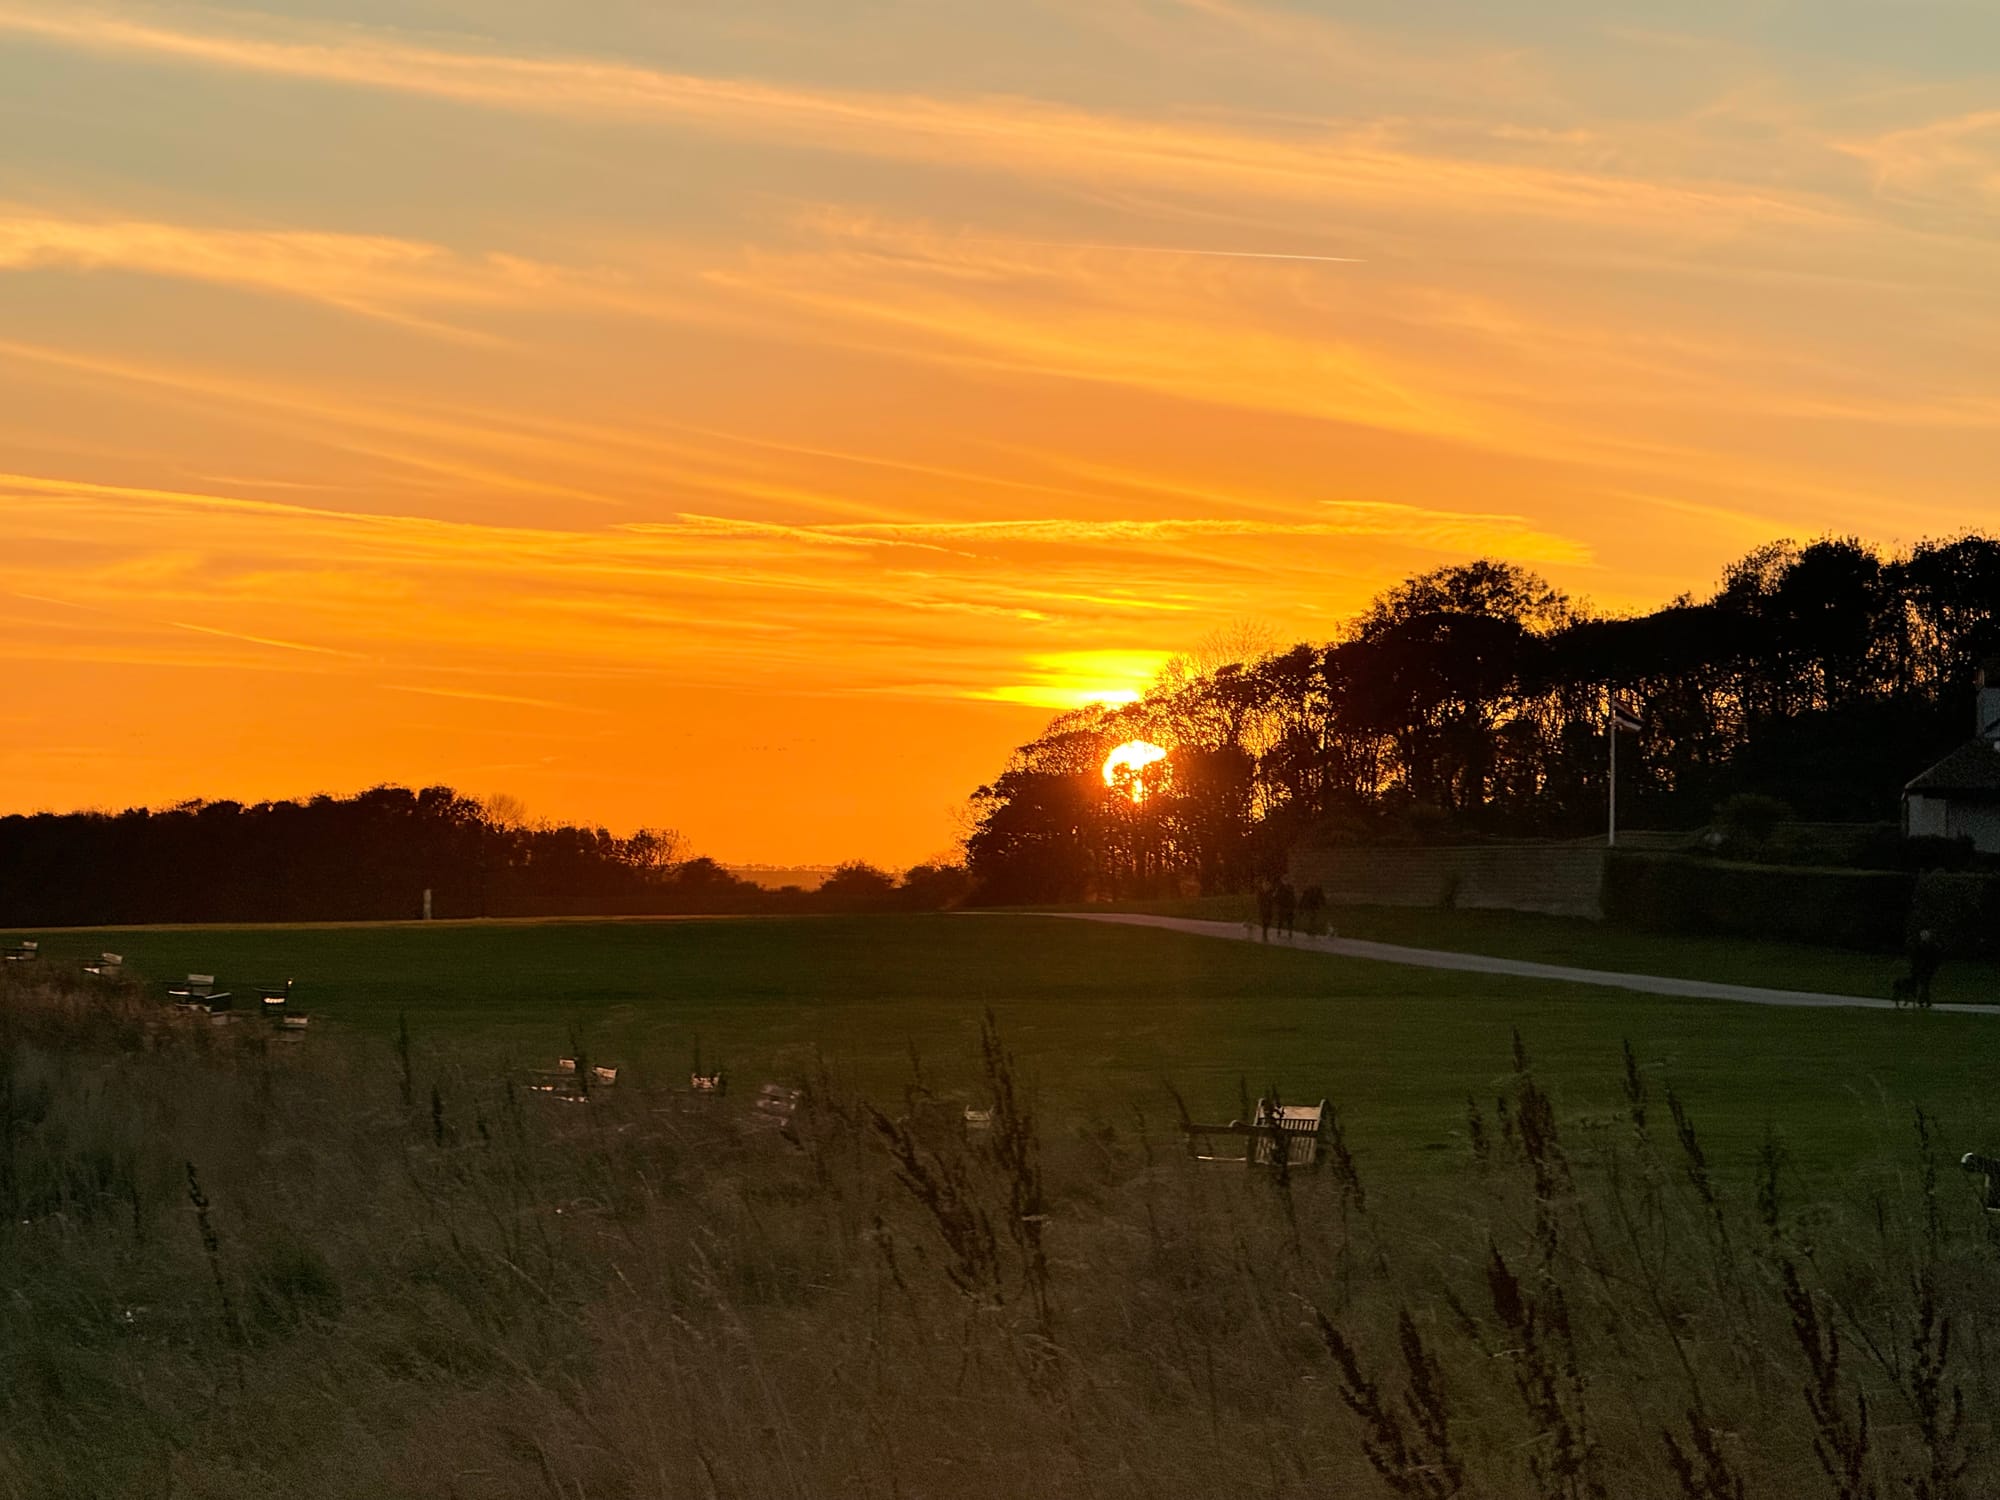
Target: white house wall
x=1978 y=821
x=1928 y=817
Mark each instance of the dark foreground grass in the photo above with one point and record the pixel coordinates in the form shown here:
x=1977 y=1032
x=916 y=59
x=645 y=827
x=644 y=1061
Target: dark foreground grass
x=238 y=1268
x=1103 y=1019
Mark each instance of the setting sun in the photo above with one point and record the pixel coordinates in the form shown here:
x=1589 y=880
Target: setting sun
x=1125 y=767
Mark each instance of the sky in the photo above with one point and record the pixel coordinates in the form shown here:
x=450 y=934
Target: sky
x=757 y=416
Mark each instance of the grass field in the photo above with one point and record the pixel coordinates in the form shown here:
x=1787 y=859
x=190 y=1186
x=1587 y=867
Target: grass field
x=1602 y=945
x=1104 y=1018
x=238 y=1270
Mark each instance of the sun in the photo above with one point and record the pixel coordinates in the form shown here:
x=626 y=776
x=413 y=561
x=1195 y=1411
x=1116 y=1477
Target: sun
x=1125 y=767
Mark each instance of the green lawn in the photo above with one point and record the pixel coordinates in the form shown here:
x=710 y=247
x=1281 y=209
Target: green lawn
x=1603 y=945
x=1104 y=1016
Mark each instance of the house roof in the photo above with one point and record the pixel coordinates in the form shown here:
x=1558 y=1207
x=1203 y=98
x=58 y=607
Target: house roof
x=1973 y=769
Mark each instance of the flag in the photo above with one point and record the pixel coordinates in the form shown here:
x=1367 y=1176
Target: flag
x=1624 y=716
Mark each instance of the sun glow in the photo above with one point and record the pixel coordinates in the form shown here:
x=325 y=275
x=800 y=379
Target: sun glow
x=1125 y=768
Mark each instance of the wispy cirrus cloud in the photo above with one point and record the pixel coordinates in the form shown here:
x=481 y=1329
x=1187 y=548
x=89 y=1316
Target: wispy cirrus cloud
x=413 y=283
x=1954 y=159
x=1322 y=160
x=698 y=597
x=1456 y=532
x=709 y=368
x=380 y=276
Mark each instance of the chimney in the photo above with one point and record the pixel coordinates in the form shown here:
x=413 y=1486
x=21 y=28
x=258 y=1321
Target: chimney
x=1988 y=699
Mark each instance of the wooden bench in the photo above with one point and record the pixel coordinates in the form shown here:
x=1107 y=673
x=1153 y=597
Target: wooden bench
x=1288 y=1133
x=1293 y=1129
x=198 y=992
x=559 y=1081
x=105 y=965
x=777 y=1110
x=564 y=1081
x=22 y=952
x=1988 y=1168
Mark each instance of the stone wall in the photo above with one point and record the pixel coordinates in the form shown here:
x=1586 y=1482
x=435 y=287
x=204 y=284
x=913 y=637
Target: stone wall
x=1564 y=880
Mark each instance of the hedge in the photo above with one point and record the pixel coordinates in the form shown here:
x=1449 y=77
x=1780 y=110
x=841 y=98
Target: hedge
x=1866 y=909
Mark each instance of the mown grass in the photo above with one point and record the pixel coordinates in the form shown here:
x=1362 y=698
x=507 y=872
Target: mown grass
x=343 y=1268
x=1101 y=1018
x=1584 y=944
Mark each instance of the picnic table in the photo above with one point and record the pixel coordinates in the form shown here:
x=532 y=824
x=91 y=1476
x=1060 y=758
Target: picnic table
x=25 y=951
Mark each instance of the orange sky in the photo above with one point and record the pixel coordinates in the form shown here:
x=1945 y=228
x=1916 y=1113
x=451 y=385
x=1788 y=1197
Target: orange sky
x=754 y=417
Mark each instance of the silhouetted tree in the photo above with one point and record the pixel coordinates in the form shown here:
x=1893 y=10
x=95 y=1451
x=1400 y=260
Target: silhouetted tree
x=1472 y=700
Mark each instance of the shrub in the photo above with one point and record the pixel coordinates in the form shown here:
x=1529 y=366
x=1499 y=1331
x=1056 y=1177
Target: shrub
x=1751 y=817
x=1928 y=852
x=1863 y=909
x=1962 y=912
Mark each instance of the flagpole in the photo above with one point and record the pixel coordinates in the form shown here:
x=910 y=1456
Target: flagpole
x=1611 y=836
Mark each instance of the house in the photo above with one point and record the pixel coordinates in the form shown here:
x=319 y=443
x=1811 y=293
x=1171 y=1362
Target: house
x=1959 y=797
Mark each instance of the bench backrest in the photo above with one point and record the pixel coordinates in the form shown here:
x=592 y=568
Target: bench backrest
x=776 y=1105
x=1300 y=1127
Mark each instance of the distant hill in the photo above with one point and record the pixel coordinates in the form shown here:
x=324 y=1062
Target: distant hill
x=775 y=877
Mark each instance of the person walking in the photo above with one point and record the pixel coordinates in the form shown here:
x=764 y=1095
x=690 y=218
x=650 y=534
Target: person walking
x=1926 y=955
x=1288 y=907
x=1312 y=911
x=1265 y=901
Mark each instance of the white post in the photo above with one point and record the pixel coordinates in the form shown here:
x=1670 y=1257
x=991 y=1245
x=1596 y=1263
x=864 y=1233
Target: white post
x=1611 y=838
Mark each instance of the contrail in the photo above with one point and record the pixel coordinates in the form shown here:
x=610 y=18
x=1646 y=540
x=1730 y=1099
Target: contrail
x=1339 y=260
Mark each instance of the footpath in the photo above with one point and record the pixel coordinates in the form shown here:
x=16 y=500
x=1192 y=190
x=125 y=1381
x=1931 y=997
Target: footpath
x=1479 y=963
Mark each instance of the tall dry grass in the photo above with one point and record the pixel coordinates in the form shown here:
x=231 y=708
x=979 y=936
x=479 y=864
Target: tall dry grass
x=230 y=1267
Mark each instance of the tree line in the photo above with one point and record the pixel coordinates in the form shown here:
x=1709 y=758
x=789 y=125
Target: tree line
x=1472 y=702
x=371 y=857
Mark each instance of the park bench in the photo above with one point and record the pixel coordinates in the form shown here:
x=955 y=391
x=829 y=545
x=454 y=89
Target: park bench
x=198 y=992
x=1292 y=1129
x=1988 y=1168
x=777 y=1109
x=1287 y=1133
x=105 y=965
x=559 y=1081
x=22 y=952
x=565 y=1081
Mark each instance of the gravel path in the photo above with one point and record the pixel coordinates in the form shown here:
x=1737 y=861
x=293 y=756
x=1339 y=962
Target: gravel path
x=1477 y=963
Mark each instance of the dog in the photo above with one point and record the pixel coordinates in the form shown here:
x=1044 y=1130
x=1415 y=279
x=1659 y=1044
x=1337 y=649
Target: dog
x=1903 y=992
